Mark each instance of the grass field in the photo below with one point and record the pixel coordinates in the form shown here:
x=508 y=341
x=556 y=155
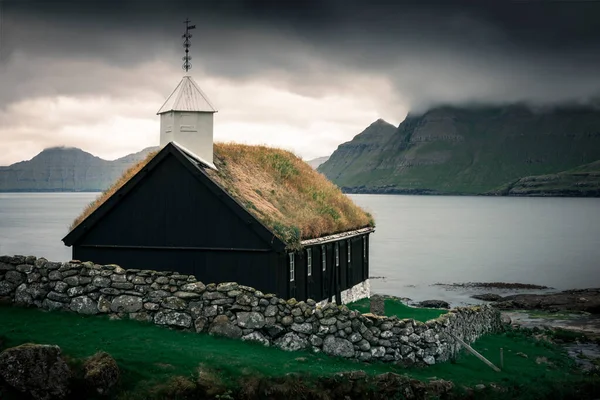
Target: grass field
x=149 y=356
x=401 y=310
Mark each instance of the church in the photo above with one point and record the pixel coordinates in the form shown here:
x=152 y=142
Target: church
x=255 y=215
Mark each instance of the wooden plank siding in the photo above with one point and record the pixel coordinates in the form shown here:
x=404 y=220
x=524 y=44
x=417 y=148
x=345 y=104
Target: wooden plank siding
x=324 y=284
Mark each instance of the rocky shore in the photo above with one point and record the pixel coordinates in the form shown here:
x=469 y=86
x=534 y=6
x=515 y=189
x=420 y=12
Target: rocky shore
x=586 y=300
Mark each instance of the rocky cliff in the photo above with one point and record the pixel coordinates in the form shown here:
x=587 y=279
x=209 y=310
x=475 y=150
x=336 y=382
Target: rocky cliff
x=451 y=150
x=64 y=169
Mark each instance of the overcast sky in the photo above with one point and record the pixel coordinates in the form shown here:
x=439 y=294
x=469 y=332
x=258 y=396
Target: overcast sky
x=305 y=75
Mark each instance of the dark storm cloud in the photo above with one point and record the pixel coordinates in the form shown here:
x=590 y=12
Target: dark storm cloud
x=432 y=52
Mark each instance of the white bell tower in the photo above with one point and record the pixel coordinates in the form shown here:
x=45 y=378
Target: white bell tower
x=186 y=118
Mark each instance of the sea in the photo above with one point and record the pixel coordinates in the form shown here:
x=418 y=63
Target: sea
x=421 y=248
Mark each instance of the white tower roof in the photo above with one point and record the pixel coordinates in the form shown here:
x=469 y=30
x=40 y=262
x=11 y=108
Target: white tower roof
x=187 y=96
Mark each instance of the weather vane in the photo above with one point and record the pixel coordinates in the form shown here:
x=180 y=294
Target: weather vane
x=187 y=65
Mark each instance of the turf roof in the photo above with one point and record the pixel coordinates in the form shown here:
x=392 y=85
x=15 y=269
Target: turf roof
x=279 y=189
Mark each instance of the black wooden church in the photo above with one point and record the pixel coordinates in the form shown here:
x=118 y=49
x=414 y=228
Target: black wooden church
x=215 y=212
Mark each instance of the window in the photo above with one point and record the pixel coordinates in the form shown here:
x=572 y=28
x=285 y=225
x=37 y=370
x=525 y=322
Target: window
x=323 y=258
x=337 y=254
x=309 y=261
x=364 y=248
x=292 y=267
x=349 y=250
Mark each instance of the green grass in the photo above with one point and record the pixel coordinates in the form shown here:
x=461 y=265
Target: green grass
x=149 y=356
x=396 y=307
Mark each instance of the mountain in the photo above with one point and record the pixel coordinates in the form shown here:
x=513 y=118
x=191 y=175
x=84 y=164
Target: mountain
x=65 y=169
x=583 y=181
x=465 y=150
x=315 y=162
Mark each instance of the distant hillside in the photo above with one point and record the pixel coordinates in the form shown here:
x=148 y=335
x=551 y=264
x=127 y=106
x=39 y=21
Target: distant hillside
x=315 y=162
x=64 y=169
x=451 y=150
x=583 y=181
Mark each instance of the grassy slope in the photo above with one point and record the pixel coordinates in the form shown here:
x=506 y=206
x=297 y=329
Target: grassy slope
x=399 y=309
x=452 y=150
x=582 y=181
x=149 y=355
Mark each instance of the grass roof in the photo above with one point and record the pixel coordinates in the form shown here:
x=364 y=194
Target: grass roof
x=279 y=189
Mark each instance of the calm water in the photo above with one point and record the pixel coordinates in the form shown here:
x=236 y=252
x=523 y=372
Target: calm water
x=420 y=240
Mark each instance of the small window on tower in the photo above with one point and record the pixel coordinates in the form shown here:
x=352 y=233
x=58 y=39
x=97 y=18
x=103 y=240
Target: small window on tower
x=292 y=267
x=309 y=261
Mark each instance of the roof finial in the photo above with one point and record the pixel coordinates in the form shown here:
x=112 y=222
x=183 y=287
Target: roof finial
x=187 y=65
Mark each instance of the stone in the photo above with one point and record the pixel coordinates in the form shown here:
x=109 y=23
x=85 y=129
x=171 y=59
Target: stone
x=75 y=291
x=328 y=321
x=487 y=297
x=187 y=295
x=271 y=311
x=250 y=320
x=244 y=299
x=173 y=303
x=355 y=337
x=6 y=267
x=377 y=305
x=429 y=360
x=118 y=278
x=378 y=352
x=200 y=324
x=315 y=341
x=104 y=304
x=101 y=373
x=6 y=288
x=305 y=328
x=210 y=311
x=122 y=285
x=275 y=331
x=434 y=304
x=36 y=370
x=213 y=295
x=21 y=295
x=140 y=316
x=338 y=347
x=196 y=287
x=72 y=280
x=257 y=337
x=126 y=303
x=53 y=305
x=24 y=268
x=101 y=282
x=173 y=318
x=61 y=297
x=84 y=305
x=14 y=277
x=227 y=286
x=157 y=295
x=60 y=287
x=222 y=326
x=291 y=342
x=287 y=320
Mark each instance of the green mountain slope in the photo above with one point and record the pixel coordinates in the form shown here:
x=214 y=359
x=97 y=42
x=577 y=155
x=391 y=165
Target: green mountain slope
x=63 y=169
x=451 y=150
x=583 y=181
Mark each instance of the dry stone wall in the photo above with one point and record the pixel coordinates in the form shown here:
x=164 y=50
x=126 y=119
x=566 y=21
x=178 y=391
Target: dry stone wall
x=236 y=311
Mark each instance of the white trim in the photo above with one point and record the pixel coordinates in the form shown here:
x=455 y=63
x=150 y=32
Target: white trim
x=309 y=262
x=195 y=156
x=337 y=236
